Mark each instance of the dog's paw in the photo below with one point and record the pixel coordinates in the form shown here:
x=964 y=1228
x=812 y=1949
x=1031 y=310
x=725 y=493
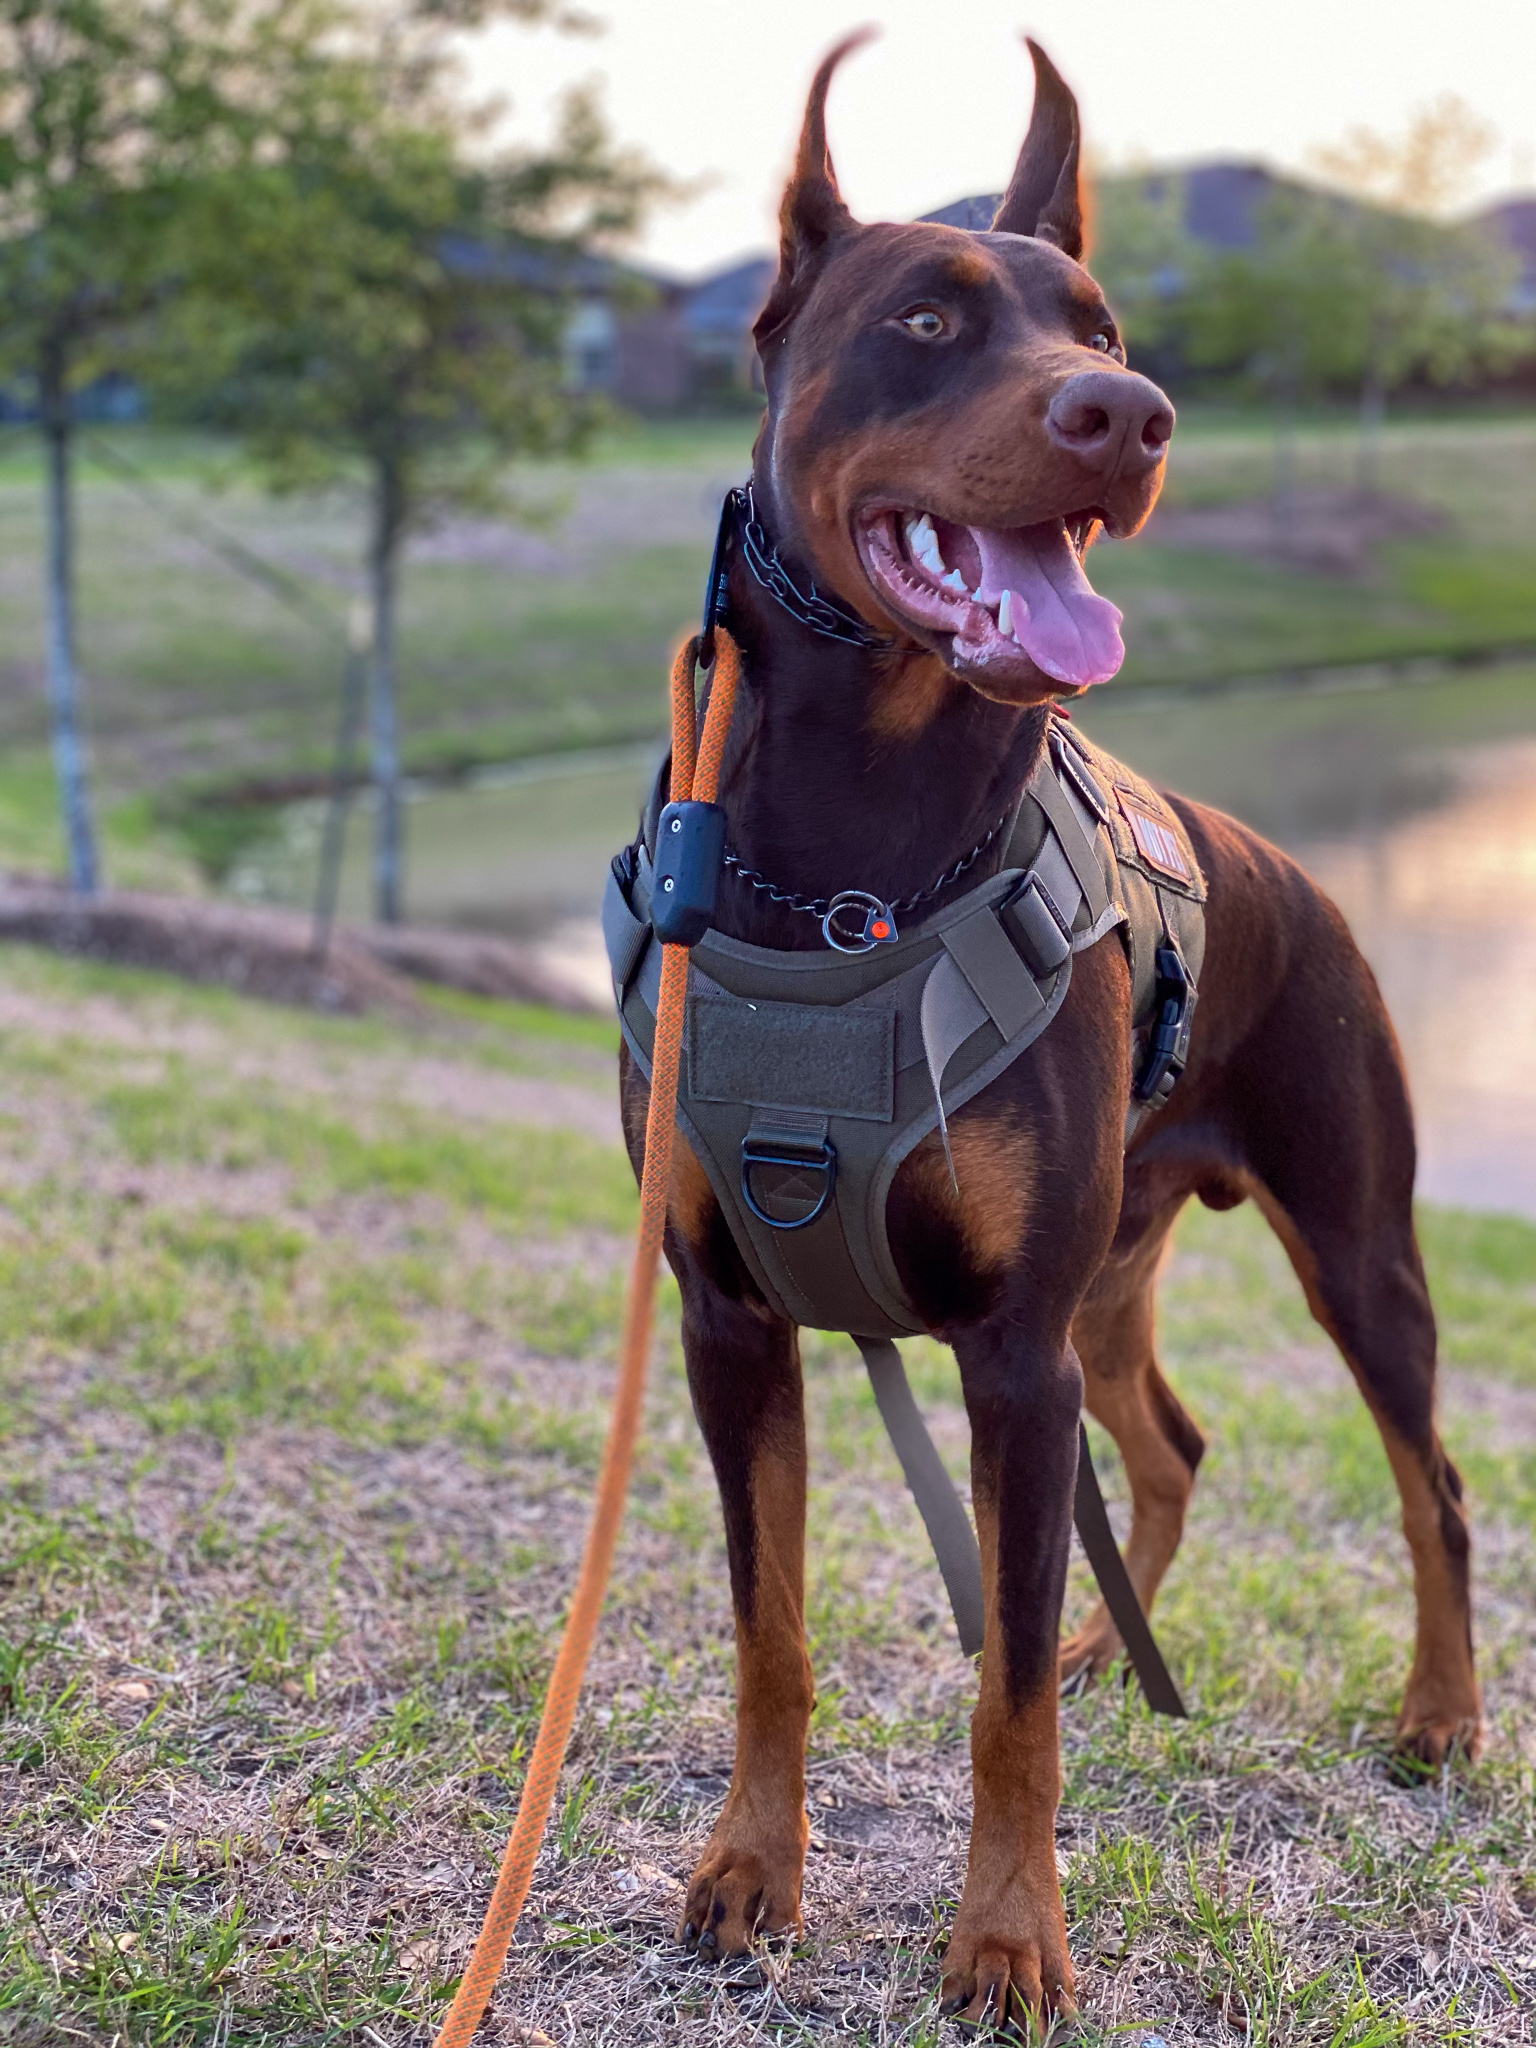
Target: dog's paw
x=738 y=1894
x=1433 y=1729
x=1087 y=1656
x=1017 y=1981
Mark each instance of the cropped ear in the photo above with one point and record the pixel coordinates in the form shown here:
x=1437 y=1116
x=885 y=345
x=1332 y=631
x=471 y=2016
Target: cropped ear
x=811 y=215
x=1043 y=198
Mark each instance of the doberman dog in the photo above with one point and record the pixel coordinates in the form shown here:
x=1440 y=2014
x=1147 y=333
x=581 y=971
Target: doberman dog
x=979 y=378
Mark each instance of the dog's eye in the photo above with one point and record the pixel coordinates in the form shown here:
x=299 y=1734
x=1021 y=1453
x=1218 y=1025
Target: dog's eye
x=924 y=322
x=1101 y=341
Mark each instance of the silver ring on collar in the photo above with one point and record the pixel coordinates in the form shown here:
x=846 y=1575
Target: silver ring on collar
x=875 y=924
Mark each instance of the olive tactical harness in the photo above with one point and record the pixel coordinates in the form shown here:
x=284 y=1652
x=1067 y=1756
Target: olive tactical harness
x=807 y=1078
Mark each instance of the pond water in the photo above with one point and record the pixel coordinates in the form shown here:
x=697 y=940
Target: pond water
x=1412 y=803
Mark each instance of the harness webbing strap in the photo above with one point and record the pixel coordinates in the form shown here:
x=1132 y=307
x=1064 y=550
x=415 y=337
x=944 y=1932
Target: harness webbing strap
x=990 y=962
x=1075 y=843
x=1126 y=1610
x=943 y=1512
x=954 y=1541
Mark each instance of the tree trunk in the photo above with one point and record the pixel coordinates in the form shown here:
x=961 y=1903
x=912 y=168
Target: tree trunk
x=1284 y=506
x=63 y=683
x=1373 y=414
x=383 y=724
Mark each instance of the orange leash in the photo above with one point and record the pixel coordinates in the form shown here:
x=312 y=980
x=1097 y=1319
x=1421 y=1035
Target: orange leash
x=564 y=1695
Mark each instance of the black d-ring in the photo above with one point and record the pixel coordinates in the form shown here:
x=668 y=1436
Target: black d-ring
x=758 y=1155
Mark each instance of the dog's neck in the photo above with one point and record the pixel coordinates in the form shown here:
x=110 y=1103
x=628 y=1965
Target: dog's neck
x=856 y=768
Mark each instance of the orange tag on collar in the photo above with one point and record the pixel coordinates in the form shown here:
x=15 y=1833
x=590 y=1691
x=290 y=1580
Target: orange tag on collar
x=1156 y=842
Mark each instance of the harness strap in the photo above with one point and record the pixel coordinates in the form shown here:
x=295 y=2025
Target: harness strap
x=1075 y=843
x=1126 y=1610
x=943 y=1512
x=954 y=1541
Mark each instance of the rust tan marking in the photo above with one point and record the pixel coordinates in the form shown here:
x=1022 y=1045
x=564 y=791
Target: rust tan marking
x=690 y=1199
x=1125 y=1391
x=1442 y=1705
x=911 y=698
x=1009 y=1948
x=748 y=1880
x=969 y=266
x=995 y=1167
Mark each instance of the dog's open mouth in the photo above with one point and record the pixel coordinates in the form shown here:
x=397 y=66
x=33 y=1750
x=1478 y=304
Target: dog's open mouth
x=1014 y=600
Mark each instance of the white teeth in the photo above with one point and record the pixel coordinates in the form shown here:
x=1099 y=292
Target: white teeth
x=955 y=581
x=1005 y=614
x=924 y=544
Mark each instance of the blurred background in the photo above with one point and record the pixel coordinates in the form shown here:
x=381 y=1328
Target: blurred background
x=370 y=377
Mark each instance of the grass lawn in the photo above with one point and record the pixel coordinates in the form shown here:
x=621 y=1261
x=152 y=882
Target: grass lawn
x=518 y=642
x=306 y=1330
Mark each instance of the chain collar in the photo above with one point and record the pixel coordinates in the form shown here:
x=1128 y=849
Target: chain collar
x=833 y=621
x=818 y=906
x=823 y=615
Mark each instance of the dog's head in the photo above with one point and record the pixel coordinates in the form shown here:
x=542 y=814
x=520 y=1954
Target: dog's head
x=951 y=418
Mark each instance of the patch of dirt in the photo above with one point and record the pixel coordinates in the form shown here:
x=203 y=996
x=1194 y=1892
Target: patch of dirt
x=270 y=953
x=1332 y=533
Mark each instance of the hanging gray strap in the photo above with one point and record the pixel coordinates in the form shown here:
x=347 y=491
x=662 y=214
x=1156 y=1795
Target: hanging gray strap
x=949 y=1012
x=1120 y=1596
x=943 y=1511
x=954 y=1541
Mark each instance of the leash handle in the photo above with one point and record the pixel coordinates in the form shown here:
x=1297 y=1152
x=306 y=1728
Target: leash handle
x=691 y=778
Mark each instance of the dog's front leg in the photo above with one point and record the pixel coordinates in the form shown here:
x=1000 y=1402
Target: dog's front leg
x=1008 y=1955
x=744 y=1374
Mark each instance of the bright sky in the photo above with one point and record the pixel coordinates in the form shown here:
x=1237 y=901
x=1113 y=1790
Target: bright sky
x=937 y=107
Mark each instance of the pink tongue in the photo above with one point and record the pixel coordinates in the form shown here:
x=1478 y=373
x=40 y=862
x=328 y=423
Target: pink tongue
x=1070 y=631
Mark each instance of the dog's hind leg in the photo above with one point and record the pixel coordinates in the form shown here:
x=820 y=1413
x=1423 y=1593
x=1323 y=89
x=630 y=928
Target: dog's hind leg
x=1159 y=1444
x=1330 y=1151
x=1367 y=1289
x=744 y=1375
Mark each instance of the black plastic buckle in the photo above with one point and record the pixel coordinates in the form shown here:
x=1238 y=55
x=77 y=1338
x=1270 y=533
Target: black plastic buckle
x=1173 y=1015
x=823 y=1161
x=1030 y=916
x=717 y=591
x=690 y=848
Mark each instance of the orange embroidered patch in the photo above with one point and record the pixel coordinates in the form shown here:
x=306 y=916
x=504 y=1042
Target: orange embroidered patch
x=1157 y=843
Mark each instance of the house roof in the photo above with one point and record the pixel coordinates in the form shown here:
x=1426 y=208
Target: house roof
x=1221 y=207
x=1220 y=202
x=1514 y=221
x=729 y=301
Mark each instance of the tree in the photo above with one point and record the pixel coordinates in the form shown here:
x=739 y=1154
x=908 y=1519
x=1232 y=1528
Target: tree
x=1431 y=292
x=1427 y=170
x=386 y=299
x=93 y=116
x=111 y=112
x=1142 y=255
x=1281 y=312
x=1336 y=292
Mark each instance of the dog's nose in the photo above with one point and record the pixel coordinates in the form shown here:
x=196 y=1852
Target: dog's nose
x=1111 y=418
